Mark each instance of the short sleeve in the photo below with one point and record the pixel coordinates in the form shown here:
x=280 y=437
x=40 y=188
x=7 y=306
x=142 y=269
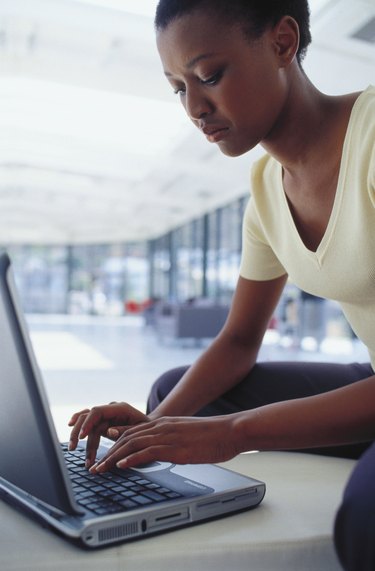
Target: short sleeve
x=371 y=174
x=258 y=260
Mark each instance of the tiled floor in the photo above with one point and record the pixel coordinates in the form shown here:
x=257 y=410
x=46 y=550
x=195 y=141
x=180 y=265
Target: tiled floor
x=94 y=360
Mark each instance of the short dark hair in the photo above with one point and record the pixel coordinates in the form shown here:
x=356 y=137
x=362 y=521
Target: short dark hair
x=254 y=16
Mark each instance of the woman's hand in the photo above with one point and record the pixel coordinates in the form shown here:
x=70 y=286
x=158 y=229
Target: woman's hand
x=107 y=420
x=179 y=440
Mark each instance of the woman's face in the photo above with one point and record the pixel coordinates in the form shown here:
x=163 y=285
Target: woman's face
x=233 y=89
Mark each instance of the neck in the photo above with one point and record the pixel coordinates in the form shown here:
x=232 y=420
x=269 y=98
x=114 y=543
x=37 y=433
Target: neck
x=300 y=135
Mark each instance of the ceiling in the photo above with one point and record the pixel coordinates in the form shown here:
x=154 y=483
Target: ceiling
x=94 y=146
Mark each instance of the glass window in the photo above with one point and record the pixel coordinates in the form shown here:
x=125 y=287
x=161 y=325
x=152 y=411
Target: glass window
x=161 y=266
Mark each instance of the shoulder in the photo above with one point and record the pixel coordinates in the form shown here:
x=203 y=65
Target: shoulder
x=363 y=134
x=366 y=100
x=267 y=194
x=264 y=173
x=362 y=120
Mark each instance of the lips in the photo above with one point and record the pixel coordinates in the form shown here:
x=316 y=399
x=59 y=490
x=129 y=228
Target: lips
x=214 y=133
x=210 y=130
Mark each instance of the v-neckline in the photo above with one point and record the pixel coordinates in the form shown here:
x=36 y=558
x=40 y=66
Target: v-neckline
x=318 y=254
x=323 y=244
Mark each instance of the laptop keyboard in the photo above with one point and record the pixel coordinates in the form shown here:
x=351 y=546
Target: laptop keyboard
x=111 y=492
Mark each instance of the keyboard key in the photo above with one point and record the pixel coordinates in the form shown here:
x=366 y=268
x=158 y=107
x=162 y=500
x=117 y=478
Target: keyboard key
x=142 y=500
x=154 y=496
x=98 y=489
x=128 y=504
x=128 y=494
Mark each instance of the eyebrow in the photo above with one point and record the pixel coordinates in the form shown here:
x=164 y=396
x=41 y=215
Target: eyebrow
x=193 y=62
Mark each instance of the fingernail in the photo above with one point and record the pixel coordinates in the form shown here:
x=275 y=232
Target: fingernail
x=113 y=433
x=100 y=467
x=122 y=463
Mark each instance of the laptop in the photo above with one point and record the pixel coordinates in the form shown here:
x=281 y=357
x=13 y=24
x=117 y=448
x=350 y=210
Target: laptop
x=38 y=474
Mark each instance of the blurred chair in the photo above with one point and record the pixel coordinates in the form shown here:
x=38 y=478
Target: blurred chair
x=194 y=320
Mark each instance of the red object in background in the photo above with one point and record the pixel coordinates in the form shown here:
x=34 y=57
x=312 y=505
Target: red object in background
x=132 y=306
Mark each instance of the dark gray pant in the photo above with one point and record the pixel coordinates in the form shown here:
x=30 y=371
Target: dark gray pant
x=279 y=381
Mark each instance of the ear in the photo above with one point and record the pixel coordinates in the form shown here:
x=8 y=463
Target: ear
x=286 y=40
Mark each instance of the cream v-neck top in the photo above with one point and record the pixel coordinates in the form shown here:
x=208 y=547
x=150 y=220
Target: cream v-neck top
x=343 y=266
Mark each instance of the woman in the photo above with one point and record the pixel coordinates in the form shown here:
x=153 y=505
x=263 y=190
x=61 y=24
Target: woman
x=237 y=68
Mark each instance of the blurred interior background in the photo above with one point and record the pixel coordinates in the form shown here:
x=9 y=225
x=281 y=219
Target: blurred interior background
x=123 y=224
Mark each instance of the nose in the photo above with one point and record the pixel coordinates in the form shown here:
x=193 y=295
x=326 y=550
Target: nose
x=197 y=105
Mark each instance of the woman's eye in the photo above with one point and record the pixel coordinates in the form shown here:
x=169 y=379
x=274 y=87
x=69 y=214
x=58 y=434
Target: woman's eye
x=179 y=91
x=213 y=79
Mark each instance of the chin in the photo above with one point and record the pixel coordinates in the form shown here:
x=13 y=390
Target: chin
x=232 y=151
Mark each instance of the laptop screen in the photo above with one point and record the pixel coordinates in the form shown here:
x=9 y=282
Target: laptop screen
x=28 y=442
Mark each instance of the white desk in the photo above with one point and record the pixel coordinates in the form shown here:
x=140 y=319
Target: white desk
x=291 y=530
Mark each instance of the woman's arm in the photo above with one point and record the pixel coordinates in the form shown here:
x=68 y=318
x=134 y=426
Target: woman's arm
x=341 y=416
x=233 y=353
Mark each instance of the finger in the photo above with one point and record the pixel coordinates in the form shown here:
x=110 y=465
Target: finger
x=103 y=462
x=115 y=414
x=75 y=416
x=93 y=441
x=128 y=436
x=114 y=432
x=124 y=433
x=119 y=452
x=161 y=453
x=130 y=442
x=96 y=416
x=74 y=435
